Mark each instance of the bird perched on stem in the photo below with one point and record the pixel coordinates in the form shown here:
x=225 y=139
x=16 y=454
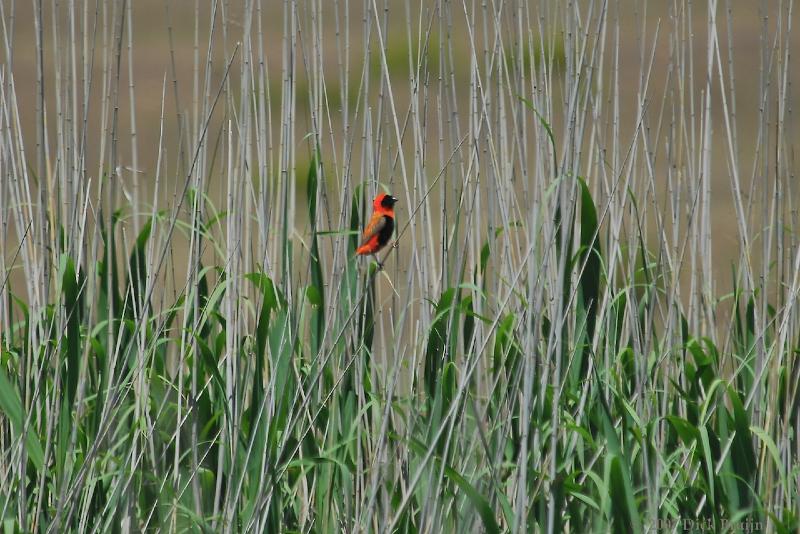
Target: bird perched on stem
x=380 y=228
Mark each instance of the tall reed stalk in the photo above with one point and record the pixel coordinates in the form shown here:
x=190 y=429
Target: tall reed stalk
x=588 y=319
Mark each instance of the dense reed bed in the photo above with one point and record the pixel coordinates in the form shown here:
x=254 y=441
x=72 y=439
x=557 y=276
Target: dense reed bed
x=588 y=319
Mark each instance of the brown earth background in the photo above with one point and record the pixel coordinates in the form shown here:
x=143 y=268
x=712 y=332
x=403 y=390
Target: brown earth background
x=157 y=24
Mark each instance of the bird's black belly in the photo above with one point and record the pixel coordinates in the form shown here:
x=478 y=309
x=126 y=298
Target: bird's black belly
x=386 y=231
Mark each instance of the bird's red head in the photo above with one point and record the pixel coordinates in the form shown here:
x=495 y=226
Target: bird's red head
x=384 y=203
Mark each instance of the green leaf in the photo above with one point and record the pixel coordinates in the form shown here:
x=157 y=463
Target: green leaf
x=271 y=299
x=281 y=349
x=317 y=323
x=338 y=233
x=507 y=351
x=590 y=258
x=366 y=322
x=623 y=507
x=107 y=273
x=772 y=448
x=311 y=186
x=485 y=252
x=71 y=292
x=547 y=128
x=355 y=227
x=314 y=297
x=687 y=432
x=210 y=364
x=469 y=322
x=744 y=460
x=11 y=405
x=438 y=339
x=138 y=267
x=478 y=501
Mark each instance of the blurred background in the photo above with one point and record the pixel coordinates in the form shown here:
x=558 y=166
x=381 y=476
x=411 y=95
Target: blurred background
x=166 y=51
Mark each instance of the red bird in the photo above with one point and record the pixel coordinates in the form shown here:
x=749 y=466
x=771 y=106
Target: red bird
x=380 y=228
